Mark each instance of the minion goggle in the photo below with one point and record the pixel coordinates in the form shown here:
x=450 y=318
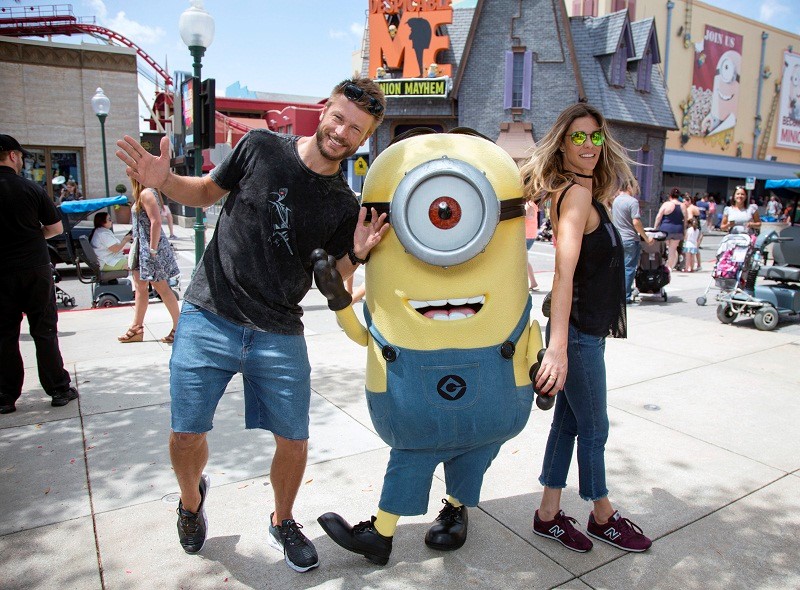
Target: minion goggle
x=445 y=212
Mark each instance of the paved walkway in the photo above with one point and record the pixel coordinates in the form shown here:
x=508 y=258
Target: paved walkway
x=703 y=454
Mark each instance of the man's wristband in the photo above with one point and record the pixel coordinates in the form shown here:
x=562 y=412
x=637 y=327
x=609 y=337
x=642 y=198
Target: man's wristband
x=355 y=259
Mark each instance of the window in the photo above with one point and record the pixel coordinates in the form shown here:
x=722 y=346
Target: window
x=644 y=71
x=48 y=164
x=619 y=65
x=644 y=172
x=519 y=68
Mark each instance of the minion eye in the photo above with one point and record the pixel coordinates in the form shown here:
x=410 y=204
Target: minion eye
x=444 y=212
x=727 y=71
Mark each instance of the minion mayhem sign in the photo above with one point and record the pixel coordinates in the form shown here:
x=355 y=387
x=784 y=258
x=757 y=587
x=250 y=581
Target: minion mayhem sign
x=404 y=35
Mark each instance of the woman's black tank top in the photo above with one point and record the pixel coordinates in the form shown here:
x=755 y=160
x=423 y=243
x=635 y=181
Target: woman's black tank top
x=598 y=285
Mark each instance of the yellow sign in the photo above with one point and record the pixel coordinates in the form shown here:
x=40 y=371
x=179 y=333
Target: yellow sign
x=414 y=87
x=360 y=167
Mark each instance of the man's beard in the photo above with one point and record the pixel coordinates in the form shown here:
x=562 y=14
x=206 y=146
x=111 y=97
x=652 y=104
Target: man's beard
x=321 y=137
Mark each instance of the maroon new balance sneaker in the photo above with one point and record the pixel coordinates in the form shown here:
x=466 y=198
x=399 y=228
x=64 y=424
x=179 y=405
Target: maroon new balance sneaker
x=560 y=529
x=619 y=532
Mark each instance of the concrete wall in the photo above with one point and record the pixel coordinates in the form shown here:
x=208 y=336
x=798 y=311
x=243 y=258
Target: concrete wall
x=47 y=92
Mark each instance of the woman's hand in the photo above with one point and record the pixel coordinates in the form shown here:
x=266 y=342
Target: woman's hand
x=552 y=373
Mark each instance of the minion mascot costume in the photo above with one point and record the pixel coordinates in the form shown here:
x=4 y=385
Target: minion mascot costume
x=450 y=346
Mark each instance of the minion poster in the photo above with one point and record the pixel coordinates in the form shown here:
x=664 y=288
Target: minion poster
x=789 y=121
x=715 y=84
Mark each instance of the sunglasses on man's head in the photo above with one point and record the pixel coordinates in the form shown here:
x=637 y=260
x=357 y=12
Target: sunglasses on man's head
x=579 y=137
x=354 y=93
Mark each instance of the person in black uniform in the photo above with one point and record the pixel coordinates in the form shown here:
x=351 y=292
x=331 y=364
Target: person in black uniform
x=28 y=218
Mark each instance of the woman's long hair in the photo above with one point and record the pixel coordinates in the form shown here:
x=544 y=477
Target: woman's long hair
x=137 y=189
x=544 y=173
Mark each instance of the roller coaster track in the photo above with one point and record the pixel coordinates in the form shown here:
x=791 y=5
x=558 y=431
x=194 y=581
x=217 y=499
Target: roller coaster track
x=45 y=21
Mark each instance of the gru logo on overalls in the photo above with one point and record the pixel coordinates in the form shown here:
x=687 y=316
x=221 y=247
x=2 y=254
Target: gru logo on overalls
x=451 y=387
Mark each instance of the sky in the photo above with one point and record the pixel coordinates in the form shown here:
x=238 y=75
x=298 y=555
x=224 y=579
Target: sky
x=301 y=47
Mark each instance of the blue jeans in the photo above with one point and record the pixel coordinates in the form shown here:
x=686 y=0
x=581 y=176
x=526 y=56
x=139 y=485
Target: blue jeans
x=632 y=251
x=580 y=412
x=209 y=350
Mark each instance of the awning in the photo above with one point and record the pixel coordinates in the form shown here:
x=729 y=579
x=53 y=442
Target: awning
x=682 y=162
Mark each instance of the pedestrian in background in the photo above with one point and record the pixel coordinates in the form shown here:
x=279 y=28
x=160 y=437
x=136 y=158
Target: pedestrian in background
x=28 y=218
x=531 y=233
x=739 y=217
x=670 y=220
x=579 y=167
x=627 y=220
x=286 y=197
x=153 y=263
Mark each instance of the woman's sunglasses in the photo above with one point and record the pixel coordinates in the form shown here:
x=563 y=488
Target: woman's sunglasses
x=579 y=137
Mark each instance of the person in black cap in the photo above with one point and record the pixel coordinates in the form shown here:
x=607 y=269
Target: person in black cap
x=26 y=282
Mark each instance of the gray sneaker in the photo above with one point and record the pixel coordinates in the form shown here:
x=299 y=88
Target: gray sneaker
x=298 y=552
x=193 y=526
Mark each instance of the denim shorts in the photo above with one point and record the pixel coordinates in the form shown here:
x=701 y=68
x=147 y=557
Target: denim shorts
x=210 y=350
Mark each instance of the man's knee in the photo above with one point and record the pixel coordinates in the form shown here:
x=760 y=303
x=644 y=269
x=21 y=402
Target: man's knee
x=290 y=446
x=186 y=442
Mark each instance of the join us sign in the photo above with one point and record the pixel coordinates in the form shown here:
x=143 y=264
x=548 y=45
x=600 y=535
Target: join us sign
x=789 y=112
x=404 y=35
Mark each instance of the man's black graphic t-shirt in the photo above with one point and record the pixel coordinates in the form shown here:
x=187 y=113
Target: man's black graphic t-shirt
x=257 y=267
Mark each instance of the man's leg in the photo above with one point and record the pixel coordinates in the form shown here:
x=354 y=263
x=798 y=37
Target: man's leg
x=43 y=321
x=632 y=249
x=189 y=455
x=286 y=475
x=12 y=373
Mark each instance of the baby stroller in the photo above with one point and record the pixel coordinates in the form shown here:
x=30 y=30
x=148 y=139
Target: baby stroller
x=545 y=233
x=766 y=303
x=652 y=274
x=62 y=296
x=733 y=256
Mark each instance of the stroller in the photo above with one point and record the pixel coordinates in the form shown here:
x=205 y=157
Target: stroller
x=734 y=256
x=109 y=288
x=62 y=296
x=652 y=274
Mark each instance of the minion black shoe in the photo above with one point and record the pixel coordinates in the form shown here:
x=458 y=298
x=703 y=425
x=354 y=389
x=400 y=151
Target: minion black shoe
x=449 y=531
x=361 y=538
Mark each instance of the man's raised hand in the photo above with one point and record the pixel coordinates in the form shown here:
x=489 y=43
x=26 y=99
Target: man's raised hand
x=147 y=169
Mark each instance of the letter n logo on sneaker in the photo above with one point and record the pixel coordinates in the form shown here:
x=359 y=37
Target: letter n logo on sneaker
x=612 y=533
x=556 y=531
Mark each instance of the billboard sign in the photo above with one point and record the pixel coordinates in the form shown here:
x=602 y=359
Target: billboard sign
x=715 y=83
x=789 y=111
x=405 y=36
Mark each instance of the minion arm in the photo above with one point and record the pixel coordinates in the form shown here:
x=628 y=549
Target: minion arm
x=330 y=284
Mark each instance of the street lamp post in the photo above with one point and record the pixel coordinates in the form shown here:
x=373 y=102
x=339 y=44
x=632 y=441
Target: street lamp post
x=101 y=105
x=197 y=31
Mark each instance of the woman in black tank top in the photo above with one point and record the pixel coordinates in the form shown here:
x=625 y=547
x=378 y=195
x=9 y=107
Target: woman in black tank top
x=579 y=167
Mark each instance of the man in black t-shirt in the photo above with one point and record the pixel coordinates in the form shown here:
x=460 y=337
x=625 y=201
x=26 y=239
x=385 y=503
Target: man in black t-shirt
x=27 y=218
x=242 y=314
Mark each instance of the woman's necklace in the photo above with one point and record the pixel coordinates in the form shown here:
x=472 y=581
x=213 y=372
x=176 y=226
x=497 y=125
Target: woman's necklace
x=580 y=175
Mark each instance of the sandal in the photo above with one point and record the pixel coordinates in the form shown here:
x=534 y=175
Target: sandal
x=134 y=334
x=169 y=338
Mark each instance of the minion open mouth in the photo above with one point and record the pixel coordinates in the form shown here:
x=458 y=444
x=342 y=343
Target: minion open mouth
x=449 y=309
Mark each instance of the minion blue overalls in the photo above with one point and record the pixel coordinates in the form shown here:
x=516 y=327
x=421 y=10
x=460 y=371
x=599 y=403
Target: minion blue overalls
x=451 y=406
